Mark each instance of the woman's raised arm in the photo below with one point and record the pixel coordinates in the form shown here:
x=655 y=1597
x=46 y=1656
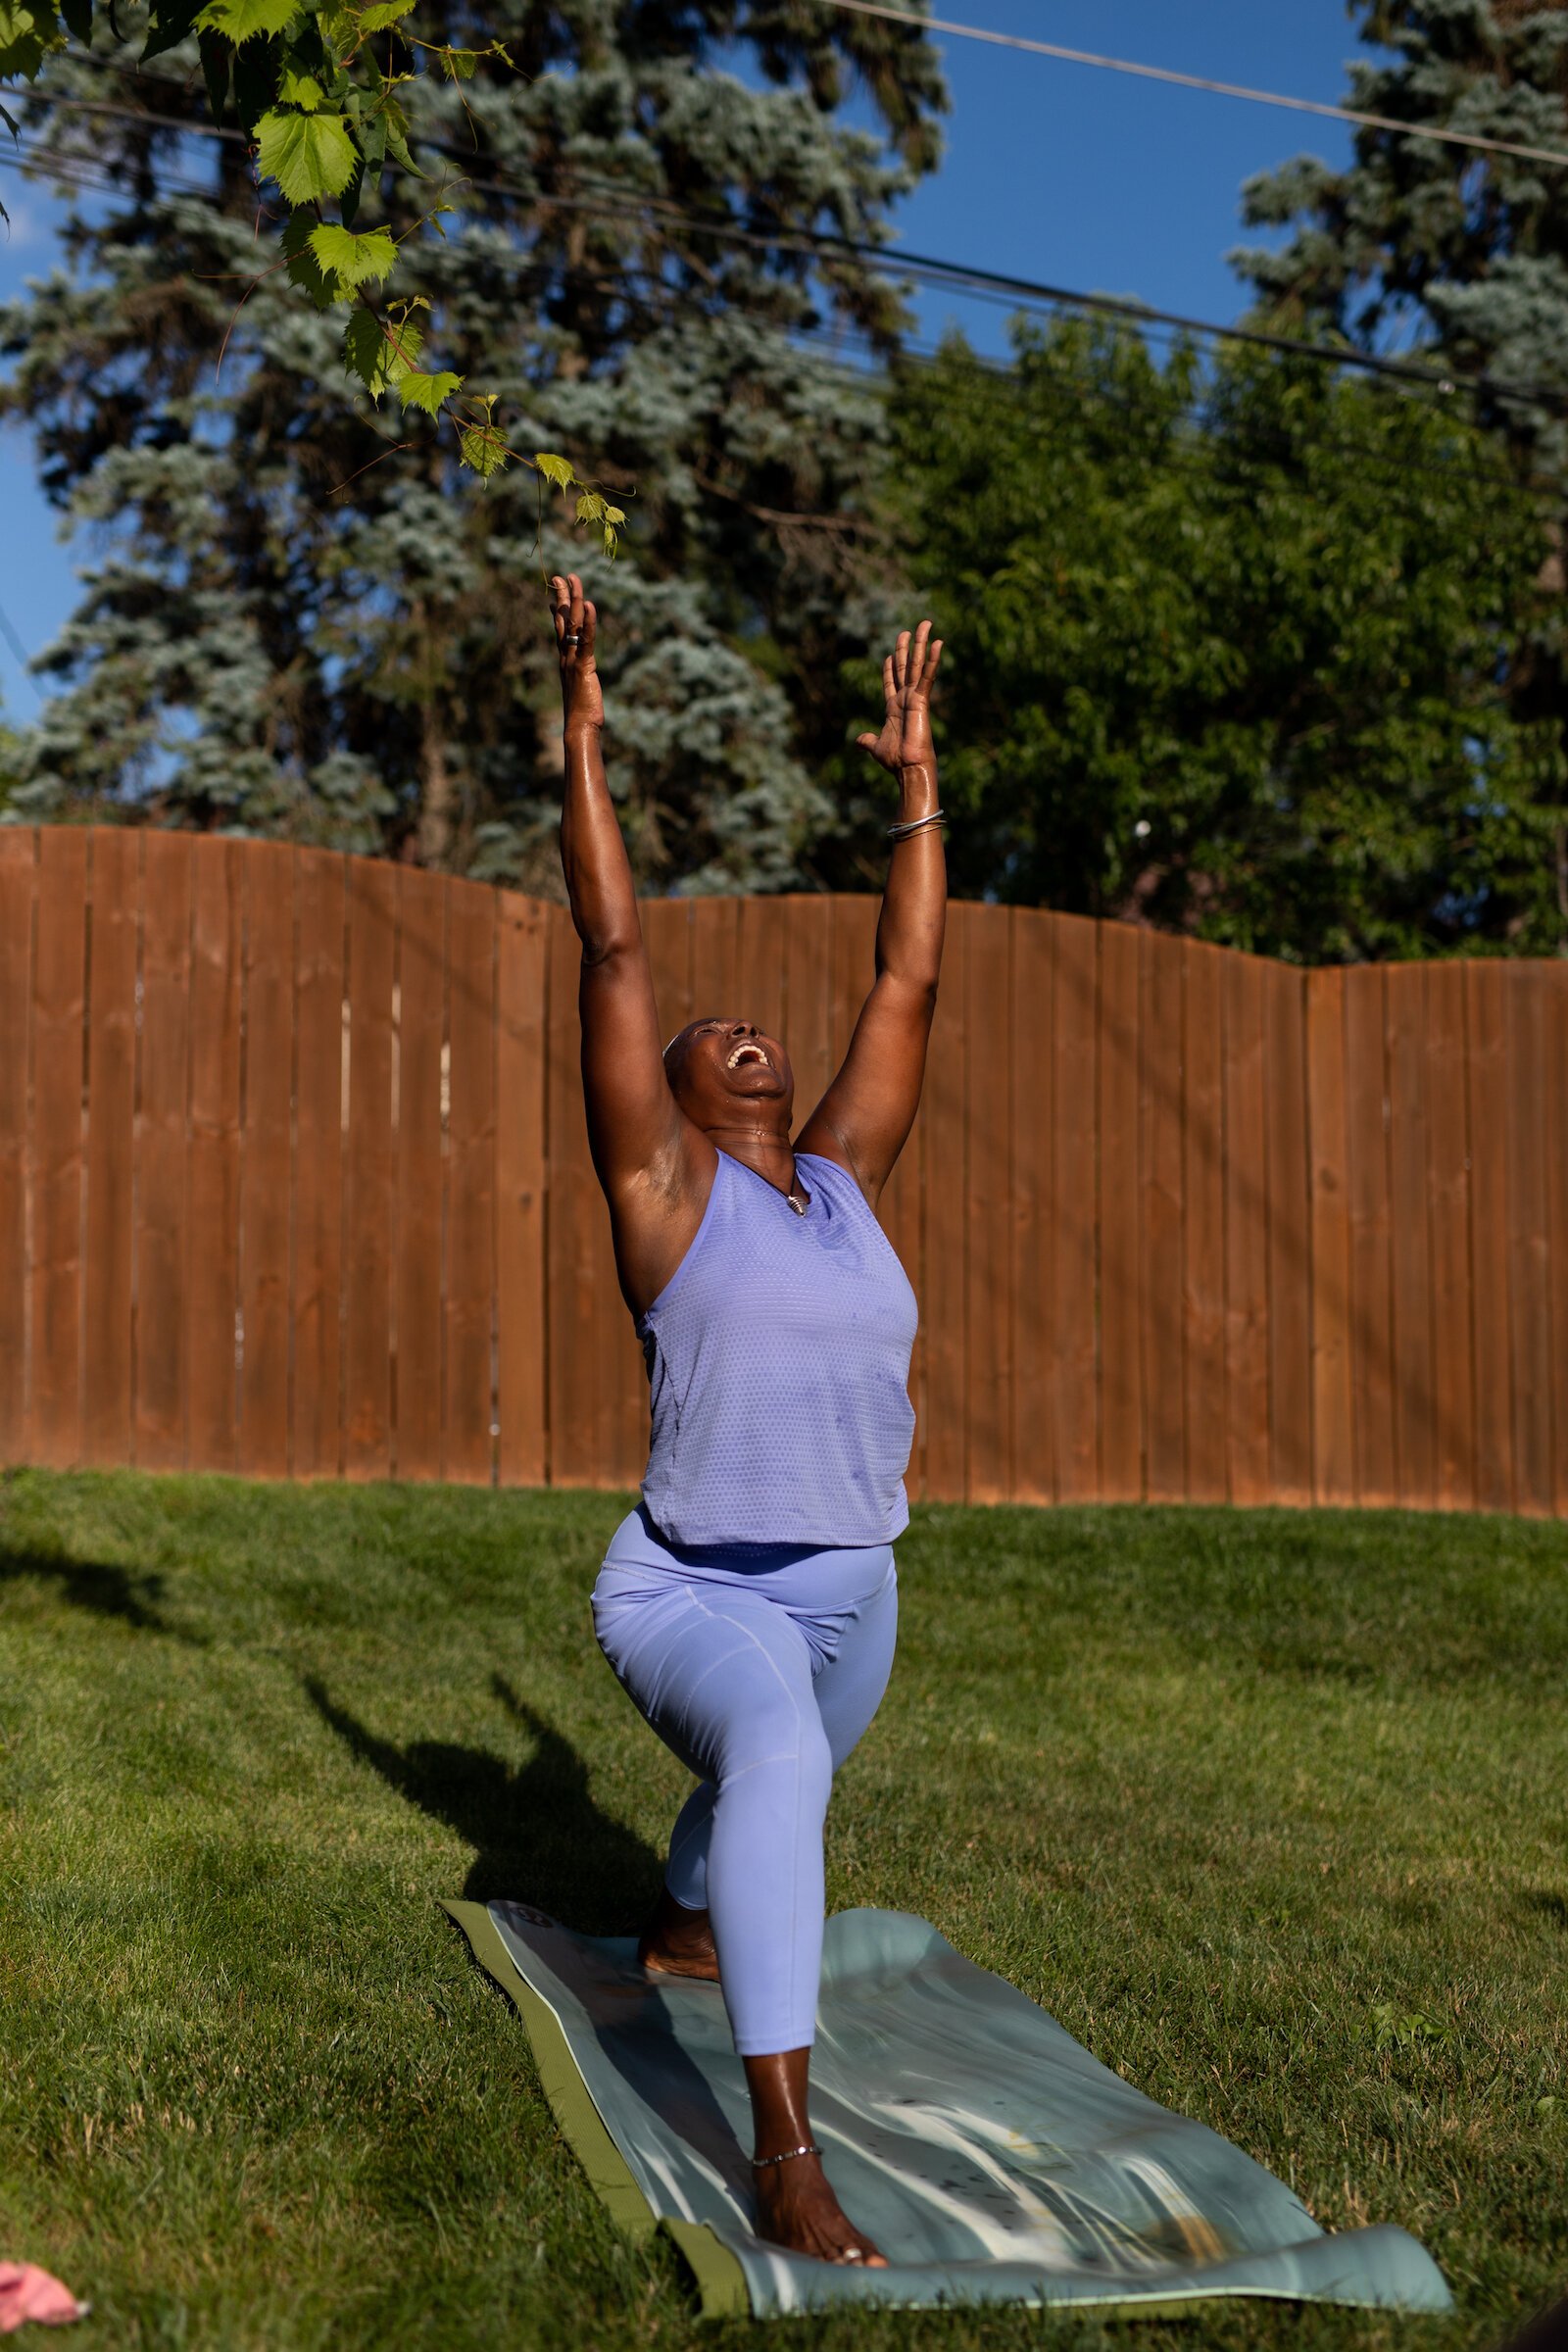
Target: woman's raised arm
x=863 y=1120
x=636 y=1130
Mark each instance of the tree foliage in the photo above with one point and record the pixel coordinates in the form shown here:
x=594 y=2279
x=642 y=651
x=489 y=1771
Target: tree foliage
x=1467 y=253
x=289 y=629
x=1466 y=256
x=323 y=115
x=1233 y=650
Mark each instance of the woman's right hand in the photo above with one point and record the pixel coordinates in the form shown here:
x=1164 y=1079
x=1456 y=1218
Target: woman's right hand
x=582 y=706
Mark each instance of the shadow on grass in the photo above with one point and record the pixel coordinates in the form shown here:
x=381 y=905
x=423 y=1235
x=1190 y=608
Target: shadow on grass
x=100 y=1589
x=540 y=1840
x=537 y=1834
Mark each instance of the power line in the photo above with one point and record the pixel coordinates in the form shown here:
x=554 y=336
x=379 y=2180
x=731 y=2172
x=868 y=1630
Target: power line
x=966 y=277
x=1197 y=81
x=104 y=106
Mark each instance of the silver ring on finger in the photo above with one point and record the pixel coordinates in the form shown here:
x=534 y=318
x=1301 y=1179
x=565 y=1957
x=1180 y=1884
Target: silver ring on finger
x=571 y=636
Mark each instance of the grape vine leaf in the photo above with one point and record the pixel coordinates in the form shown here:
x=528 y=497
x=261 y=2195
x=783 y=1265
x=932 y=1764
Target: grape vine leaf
x=241 y=20
x=428 y=392
x=310 y=155
x=298 y=89
x=381 y=355
x=484 y=448
x=352 y=261
x=304 y=269
x=26 y=34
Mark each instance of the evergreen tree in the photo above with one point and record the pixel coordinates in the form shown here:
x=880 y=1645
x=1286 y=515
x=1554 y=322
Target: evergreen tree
x=10 y=765
x=291 y=629
x=1465 y=252
x=1234 y=642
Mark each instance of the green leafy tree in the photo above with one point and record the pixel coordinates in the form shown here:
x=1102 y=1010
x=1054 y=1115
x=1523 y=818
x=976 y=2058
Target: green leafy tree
x=1462 y=253
x=294 y=627
x=10 y=764
x=1233 y=644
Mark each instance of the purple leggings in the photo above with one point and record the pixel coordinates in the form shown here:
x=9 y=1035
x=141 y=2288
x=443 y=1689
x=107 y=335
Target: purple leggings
x=759 y=1668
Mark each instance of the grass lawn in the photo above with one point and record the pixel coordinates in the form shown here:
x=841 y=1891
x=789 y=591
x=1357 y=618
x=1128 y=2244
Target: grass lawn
x=1267 y=1808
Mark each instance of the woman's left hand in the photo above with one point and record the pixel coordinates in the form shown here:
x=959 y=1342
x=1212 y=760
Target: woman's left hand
x=582 y=705
x=907 y=679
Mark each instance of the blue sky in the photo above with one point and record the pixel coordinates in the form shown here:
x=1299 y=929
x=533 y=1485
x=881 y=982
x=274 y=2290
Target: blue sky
x=1051 y=172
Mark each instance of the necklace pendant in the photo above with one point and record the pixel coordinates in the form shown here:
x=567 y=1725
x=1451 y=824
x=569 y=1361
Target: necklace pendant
x=799 y=1206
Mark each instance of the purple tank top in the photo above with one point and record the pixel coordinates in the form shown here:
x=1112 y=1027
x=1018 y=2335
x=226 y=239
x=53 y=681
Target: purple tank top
x=778 y=1366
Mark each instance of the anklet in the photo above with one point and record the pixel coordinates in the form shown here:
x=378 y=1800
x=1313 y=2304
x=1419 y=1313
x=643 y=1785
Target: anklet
x=811 y=2149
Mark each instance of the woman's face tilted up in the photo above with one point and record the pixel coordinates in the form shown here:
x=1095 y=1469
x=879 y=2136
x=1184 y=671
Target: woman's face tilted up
x=717 y=1068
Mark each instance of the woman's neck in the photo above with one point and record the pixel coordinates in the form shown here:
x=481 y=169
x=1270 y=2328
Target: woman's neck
x=761 y=1148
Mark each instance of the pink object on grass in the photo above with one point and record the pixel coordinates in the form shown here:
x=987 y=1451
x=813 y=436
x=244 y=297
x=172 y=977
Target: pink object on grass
x=28 y=2293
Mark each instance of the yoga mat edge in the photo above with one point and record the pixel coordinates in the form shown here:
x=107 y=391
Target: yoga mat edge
x=568 y=2096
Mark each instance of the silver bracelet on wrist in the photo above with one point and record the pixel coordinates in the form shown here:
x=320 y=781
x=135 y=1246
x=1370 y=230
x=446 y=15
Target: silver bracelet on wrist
x=915 y=824
x=811 y=2149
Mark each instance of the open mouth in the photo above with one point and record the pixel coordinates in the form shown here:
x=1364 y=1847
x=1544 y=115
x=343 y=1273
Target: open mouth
x=745 y=1053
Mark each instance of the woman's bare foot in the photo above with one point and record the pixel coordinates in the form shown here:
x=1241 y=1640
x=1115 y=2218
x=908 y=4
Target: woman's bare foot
x=677 y=1943
x=796 y=2208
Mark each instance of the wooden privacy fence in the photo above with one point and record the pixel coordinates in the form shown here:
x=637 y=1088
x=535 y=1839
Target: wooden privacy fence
x=294 y=1181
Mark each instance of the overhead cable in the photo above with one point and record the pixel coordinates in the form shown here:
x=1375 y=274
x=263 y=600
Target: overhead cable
x=987 y=284
x=1198 y=82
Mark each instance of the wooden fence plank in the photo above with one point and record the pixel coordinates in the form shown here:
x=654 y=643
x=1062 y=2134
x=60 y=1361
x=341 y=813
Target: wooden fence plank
x=1034 y=1438
x=115 y=892
x=903 y=1221
x=809 y=1001
x=985 y=1223
x=668 y=937
x=1371 y=1317
x=1121 y=1314
x=1448 y=1136
x=1203 y=1221
x=58 y=995
x=576 y=1207
x=317 y=1442
x=520 y=1296
x=853 y=951
x=1333 y=1432
x=761 y=957
x=715 y=958
x=369 y=1170
x=19 y=854
x=1556 y=983
x=213 y=1295
x=1525 y=1002
x=1069 y=1016
x=421 y=1087
x=947 y=1385
x=266 y=1170
x=1487 y=1071
x=1247 y=1321
x=1410 y=1236
x=1290 y=1239
x=163 y=1230
x=469 y=1442
x=1161 y=972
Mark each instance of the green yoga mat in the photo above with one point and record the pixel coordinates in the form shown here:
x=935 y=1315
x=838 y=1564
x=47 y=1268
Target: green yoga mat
x=989 y=2156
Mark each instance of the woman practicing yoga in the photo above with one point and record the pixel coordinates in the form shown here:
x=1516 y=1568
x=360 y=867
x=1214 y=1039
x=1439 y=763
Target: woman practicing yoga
x=748 y=1605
